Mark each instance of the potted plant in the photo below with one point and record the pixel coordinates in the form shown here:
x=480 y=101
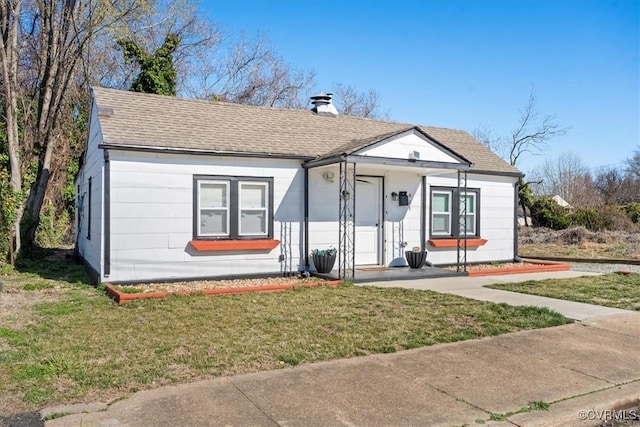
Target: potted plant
x=416 y=258
x=324 y=259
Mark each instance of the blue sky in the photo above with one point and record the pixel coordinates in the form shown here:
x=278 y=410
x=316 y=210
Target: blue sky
x=469 y=64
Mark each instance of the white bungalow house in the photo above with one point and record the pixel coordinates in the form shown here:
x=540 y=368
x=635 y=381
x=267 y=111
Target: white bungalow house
x=173 y=188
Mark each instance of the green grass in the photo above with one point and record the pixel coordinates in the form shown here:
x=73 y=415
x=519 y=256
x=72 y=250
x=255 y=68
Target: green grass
x=532 y=406
x=611 y=290
x=83 y=344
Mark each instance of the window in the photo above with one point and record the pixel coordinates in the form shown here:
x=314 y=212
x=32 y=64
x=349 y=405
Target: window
x=232 y=207
x=447 y=216
x=441 y=213
x=213 y=209
x=469 y=220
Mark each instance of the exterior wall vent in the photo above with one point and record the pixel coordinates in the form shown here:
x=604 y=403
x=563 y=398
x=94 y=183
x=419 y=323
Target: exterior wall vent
x=105 y=111
x=323 y=106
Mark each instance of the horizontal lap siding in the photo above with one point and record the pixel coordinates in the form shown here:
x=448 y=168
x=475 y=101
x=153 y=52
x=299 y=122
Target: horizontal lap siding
x=91 y=249
x=152 y=217
x=496 y=219
x=402 y=223
x=402 y=147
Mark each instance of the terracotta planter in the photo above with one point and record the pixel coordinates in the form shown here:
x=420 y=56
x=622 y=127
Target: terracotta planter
x=416 y=259
x=324 y=263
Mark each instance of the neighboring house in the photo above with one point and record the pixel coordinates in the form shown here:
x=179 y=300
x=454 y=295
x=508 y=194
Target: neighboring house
x=556 y=198
x=172 y=188
x=561 y=202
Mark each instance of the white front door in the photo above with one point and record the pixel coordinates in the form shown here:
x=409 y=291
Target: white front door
x=368 y=220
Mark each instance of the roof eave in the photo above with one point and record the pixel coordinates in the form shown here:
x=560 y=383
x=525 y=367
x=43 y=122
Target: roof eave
x=516 y=174
x=170 y=150
x=387 y=161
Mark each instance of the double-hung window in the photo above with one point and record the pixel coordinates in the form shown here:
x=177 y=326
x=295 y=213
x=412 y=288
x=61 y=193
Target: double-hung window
x=229 y=207
x=441 y=213
x=453 y=212
x=468 y=213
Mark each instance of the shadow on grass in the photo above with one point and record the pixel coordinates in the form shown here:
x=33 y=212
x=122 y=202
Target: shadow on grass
x=55 y=264
x=27 y=419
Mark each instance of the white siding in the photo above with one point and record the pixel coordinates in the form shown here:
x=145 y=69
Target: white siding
x=93 y=167
x=152 y=217
x=401 y=146
x=403 y=223
x=496 y=218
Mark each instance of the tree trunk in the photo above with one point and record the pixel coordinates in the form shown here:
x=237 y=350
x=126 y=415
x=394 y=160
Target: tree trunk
x=524 y=213
x=9 y=19
x=36 y=198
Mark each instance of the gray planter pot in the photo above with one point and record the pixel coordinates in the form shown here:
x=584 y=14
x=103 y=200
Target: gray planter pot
x=416 y=259
x=324 y=263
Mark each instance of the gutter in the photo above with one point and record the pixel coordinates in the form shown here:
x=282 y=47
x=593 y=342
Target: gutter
x=386 y=161
x=165 y=150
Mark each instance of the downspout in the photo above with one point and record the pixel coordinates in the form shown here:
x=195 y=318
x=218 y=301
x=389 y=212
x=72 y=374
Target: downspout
x=516 y=188
x=107 y=214
x=306 y=219
x=423 y=215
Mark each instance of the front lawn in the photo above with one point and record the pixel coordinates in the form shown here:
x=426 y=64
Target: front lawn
x=62 y=340
x=611 y=290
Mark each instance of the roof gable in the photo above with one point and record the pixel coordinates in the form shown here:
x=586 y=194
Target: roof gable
x=413 y=144
x=160 y=122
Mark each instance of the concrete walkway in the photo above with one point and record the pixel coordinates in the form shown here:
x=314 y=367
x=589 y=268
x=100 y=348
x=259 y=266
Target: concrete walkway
x=473 y=287
x=582 y=370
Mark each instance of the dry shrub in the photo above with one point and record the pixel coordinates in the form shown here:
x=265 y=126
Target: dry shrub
x=576 y=236
x=614 y=218
x=537 y=235
x=610 y=236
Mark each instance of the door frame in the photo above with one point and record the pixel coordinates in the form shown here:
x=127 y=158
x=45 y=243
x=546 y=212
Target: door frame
x=381 y=223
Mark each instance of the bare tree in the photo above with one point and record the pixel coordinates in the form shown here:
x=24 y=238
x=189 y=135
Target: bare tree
x=566 y=176
x=614 y=187
x=249 y=72
x=633 y=164
x=43 y=44
x=9 y=55
x=486 y=137
x=351 y=102
x=530 y=135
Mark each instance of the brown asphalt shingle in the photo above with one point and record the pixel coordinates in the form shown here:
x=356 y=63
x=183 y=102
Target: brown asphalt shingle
x=146 y=120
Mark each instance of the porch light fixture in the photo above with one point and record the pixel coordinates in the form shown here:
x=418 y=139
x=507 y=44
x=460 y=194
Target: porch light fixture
x=328 y=176
x=394 y=196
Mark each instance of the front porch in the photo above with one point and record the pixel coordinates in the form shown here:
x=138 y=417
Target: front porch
x=364 y=274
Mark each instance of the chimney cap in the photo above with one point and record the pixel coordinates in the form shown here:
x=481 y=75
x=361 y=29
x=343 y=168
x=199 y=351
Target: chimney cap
x=322 y=104
x=321 y=97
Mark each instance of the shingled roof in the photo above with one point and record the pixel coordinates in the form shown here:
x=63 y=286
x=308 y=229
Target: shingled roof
x=155 y=121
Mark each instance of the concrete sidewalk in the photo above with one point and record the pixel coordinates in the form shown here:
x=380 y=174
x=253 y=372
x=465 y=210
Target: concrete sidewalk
x=579 y=369
x=473 y=287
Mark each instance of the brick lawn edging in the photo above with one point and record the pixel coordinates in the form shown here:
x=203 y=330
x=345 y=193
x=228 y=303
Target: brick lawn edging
x=537 y=267
x=122 y=297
